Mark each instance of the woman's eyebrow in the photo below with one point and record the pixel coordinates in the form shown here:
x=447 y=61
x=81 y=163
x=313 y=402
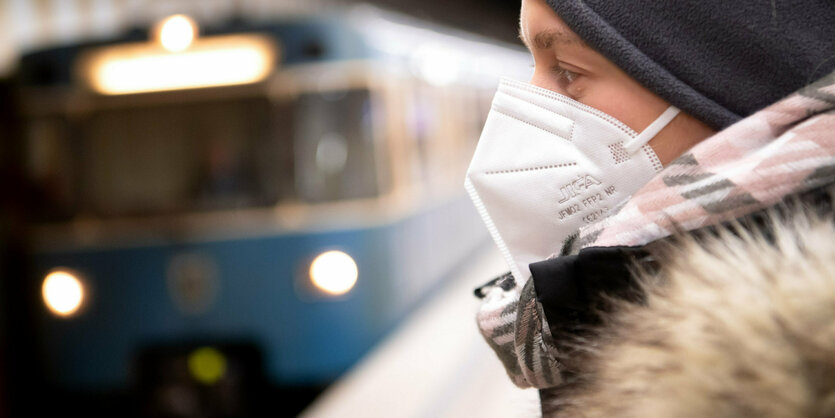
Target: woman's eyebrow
x=546 y=38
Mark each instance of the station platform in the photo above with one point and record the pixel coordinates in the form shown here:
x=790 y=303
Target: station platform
x=434 y=365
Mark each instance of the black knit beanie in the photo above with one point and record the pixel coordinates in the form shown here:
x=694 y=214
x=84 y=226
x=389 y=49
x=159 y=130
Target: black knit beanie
x=718 y=60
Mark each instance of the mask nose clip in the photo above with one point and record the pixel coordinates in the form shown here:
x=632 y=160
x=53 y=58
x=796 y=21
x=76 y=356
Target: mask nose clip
x=653 y=129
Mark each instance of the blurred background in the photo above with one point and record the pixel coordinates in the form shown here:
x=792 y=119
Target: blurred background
x=218 y=208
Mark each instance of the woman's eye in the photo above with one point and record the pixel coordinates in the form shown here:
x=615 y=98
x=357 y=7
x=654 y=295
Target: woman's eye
x=563 y=75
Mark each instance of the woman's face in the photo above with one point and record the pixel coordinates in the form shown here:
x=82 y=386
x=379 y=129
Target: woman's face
x=566 y=65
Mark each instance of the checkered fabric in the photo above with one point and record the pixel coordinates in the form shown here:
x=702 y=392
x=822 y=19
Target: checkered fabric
x=786 y=148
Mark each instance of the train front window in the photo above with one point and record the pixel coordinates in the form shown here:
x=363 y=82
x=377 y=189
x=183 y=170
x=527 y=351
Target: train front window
x=179 y=156
x=334 y=146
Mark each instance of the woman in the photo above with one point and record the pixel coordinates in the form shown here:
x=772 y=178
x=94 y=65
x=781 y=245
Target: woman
x=610 y=184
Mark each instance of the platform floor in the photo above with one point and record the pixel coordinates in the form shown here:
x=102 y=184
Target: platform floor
x=434 y=365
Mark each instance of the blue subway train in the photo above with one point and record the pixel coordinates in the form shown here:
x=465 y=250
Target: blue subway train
x=246 y=202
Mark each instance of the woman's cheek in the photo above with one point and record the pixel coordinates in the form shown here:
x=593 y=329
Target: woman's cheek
x=577 y=89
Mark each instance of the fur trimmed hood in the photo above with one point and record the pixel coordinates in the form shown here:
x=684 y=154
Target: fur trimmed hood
x=736 y=324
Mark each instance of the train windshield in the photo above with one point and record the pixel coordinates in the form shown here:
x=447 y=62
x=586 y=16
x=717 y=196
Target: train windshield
x=185 y=156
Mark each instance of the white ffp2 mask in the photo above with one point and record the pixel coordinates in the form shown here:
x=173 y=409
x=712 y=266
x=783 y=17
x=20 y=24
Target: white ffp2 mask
x=546 y=165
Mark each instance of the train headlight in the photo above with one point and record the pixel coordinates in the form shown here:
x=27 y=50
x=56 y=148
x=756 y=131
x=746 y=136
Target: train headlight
x=176 y=33
x=334 y=272
x=63 y=292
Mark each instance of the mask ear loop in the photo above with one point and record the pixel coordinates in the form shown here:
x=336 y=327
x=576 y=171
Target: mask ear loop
x=656 y=126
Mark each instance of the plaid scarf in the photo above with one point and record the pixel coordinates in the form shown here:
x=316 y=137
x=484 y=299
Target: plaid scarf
x=784 y=149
